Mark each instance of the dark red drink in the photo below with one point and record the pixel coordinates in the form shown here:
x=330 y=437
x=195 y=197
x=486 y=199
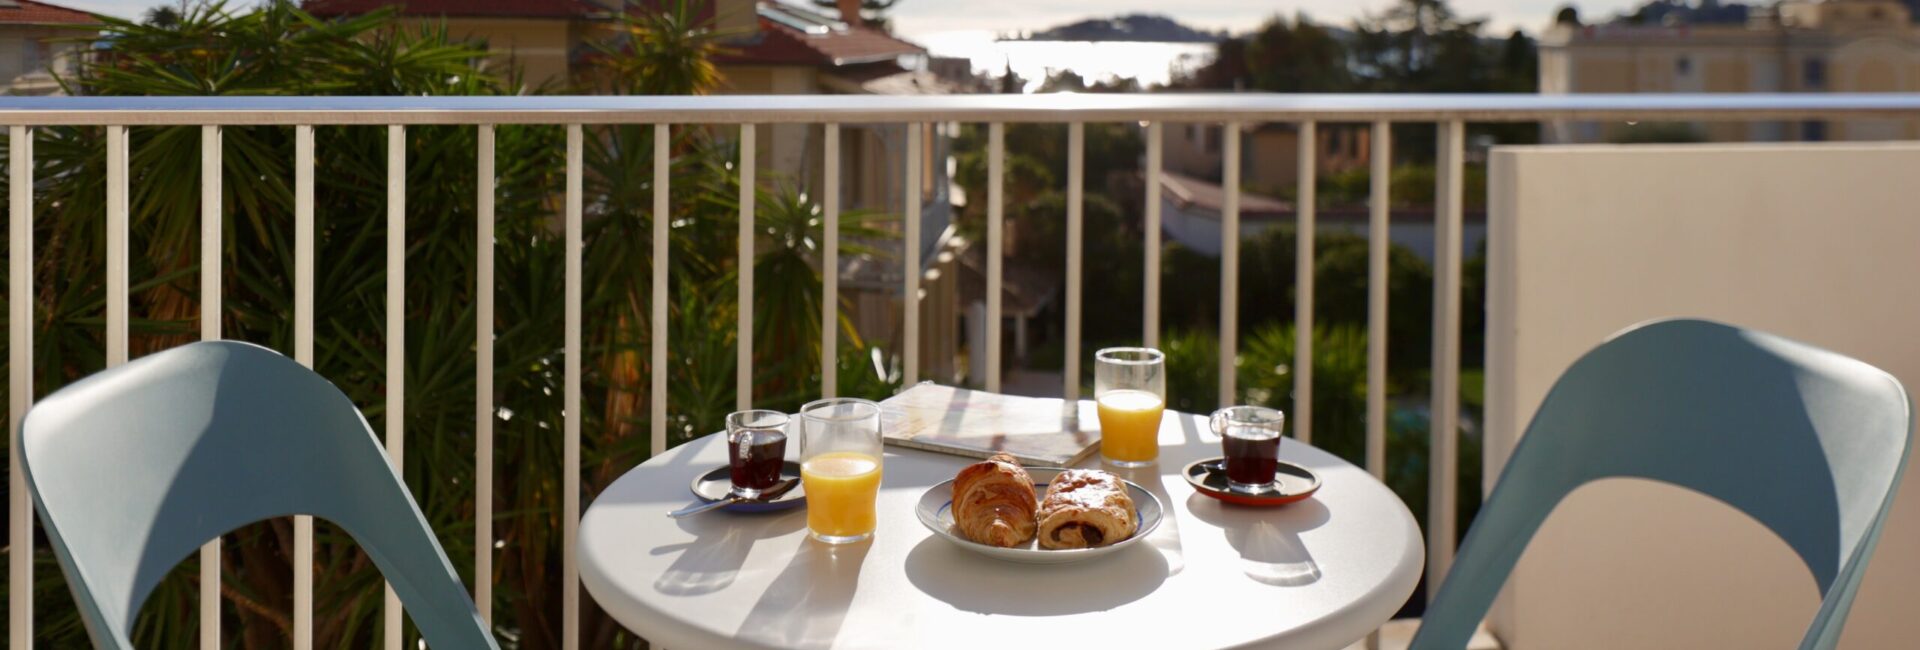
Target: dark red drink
x=754 y=459
x=1252 y=460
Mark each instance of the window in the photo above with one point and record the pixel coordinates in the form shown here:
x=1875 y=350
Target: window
x=1813 y=131
x=1213 y=139
x=1813 y=73
x=1683 y=66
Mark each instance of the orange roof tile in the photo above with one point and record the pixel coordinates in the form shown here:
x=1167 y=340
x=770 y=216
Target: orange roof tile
x=28 y=12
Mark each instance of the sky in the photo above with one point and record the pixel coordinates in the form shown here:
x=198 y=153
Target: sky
x=920 y=17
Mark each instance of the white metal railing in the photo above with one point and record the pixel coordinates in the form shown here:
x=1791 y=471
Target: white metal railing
x=1448 y=112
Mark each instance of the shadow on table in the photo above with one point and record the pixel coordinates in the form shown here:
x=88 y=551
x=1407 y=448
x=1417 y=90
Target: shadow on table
x=975 y=583
x=1165 y=539
x=720 y=546
x=1268 y=539
x=807 y=602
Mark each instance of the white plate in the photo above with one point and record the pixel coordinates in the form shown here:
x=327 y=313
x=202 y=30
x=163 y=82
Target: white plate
x=936 y=513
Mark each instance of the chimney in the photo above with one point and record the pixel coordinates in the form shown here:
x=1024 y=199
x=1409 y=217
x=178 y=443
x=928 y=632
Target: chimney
x=850 y=12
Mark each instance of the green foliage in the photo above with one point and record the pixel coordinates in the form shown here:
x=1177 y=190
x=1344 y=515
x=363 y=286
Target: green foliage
x=1412 y=185
x=276 y=49
x=1656 y=132
x=664 y=51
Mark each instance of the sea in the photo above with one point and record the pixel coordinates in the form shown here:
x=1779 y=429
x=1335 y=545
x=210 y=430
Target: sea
x=1150 y=63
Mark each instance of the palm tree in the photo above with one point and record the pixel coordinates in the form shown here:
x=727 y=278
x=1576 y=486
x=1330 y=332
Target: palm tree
x=277 y=49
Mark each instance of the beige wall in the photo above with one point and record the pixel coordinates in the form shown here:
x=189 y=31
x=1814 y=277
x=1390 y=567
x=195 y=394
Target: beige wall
x=538 y=46
x=783 y=147
x=1811 y=241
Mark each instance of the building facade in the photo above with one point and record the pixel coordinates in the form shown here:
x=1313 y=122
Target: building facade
x=1269 y=153
x=38 y=39
x=1793 y=47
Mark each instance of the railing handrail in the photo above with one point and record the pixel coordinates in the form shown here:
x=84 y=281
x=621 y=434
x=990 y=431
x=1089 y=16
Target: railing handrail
x=1063 y=107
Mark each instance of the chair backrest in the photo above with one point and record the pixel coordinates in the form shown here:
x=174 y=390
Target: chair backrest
x=1716 y=409
x=135 y=467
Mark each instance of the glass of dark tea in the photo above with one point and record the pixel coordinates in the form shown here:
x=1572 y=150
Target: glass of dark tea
x=756 y=445
x=1250 y=438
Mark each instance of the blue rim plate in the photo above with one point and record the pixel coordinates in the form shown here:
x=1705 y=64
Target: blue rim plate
x=935 y=511
x=716 y=483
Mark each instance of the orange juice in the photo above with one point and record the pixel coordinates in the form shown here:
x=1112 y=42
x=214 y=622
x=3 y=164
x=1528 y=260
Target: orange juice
x=841 y=488
x=1129 y=426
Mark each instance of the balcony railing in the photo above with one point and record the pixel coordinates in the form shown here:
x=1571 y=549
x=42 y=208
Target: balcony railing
x=1449 y=113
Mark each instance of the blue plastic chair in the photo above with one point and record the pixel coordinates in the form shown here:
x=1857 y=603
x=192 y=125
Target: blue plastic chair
x=1717 y=409
x=135 y=467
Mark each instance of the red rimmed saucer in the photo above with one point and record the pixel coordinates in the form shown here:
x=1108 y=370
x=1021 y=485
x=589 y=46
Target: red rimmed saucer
x=1290 y=483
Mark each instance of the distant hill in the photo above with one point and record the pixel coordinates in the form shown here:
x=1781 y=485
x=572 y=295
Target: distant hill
x=1132 y=27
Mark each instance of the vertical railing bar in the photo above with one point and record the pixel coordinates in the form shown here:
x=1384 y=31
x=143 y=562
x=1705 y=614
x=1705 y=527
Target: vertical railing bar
x=210 y=247
x=830 y=266
x=996 y=244
x=743 y=367
x=1150 y=327
x=1444 y=468
x=1076 y=187
x=210 y=250
x=1229 y=260
x=662 y=219
x=1304 y=209
x=570 y=400
x=396 y=338
x=483 y=379
x=303 y=353
x=1378 y=243
x=19 y=385
x=910 y=267
x=116 y=245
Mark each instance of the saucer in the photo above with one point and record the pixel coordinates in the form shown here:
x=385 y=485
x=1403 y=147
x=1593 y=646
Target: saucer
x=717 y=483
x=1290 y=483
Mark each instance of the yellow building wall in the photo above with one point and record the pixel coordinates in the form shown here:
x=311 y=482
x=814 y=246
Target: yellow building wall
x=539 y=47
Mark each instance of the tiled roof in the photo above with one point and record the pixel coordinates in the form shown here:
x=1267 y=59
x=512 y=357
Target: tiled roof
x=28 y=12
x=463 y=8
x=794 y=35
x=1190 y=191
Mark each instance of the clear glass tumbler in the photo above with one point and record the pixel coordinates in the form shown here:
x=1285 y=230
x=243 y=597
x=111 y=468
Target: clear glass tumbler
x=1130 y=387
x=840 y=467
x=1250 y=440
x=756 y=445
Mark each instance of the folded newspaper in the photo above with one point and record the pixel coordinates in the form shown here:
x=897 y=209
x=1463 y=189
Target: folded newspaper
x=1041 y=432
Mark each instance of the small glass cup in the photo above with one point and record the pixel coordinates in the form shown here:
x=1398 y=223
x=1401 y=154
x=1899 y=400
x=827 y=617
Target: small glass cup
x=1130 y=388
x=756 y=446
x=1250 y=439
x=840 y=467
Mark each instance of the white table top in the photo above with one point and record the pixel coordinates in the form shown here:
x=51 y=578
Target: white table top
x=1321 y=573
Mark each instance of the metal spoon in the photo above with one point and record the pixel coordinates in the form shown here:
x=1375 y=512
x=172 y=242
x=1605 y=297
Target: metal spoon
x=778 y=490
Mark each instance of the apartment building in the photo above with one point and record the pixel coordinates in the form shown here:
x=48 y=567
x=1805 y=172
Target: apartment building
x=1792 y=47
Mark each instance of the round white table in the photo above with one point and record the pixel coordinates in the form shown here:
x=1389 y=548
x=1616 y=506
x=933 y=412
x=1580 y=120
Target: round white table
x=1320 y=573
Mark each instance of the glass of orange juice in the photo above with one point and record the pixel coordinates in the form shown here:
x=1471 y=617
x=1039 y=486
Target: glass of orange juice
x=1130 y=387
x=840 y=467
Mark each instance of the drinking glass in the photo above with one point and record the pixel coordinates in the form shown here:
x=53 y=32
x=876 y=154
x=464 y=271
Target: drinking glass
x=840 y=467
x=1250 y=439
x=1130 y=387
x=756 y=444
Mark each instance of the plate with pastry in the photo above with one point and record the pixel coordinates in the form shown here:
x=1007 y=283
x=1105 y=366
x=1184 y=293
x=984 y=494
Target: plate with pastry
x=1002 y=510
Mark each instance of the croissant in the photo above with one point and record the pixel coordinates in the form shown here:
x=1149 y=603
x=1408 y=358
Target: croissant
x=1085 y=508
x=993 y=502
